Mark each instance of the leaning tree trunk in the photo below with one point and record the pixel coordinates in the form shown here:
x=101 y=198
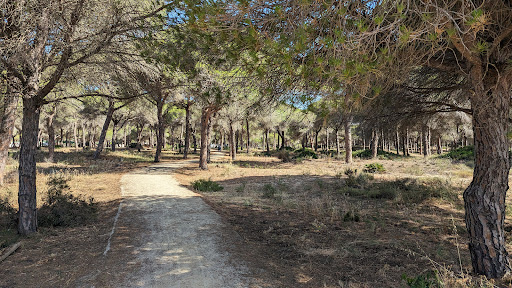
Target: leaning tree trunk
x=103 y=134
x=203 y=153
x=187 y=130
x=484 y=199
x=51 y=134
x=27 y=215
x=348 y=139
x=159 y=131
x=7 y=127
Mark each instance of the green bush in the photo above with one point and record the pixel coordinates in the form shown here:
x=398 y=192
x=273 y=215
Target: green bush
x=426 y=280
x=284 y=155
x=465 y=153
x=269 y=191
x=305 y=153
x=374 y=168
x=60 y=208
x=367 y=154
x=206 y=185
x=356 y=180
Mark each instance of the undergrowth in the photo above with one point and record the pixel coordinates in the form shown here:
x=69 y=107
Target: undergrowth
x=204 y=185
x=61 y=208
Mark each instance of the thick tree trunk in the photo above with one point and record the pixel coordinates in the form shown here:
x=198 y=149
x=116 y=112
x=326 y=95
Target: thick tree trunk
x=374 y=144
x=103 y=134
x=27 y=222
x=11 y=98
x=159 y=131
x=187 y=130
x=484 y=199
x=203 y=153
x=51 y=134
x=348 y=140
x=283 y=140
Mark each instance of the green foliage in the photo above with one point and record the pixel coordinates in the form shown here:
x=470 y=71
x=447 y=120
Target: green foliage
x=60 y=208
x=429 y=279
x=356 y=180
x=305 y=153
x=374 y=168
x=351 y=217
x=269 y=191
x=207 y=186
x=465 y=153
x=367 y=154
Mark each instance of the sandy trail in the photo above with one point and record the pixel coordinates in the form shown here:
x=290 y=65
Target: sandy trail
x=184 y=237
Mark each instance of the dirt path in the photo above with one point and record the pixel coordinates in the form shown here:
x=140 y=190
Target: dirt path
x=181 y=241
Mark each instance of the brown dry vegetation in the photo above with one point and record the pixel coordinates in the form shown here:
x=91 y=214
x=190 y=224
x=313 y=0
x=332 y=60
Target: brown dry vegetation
x=62 y=256
x=306 y=228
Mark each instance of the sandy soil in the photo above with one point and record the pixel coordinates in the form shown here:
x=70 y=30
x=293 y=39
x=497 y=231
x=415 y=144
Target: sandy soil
x=176 y=240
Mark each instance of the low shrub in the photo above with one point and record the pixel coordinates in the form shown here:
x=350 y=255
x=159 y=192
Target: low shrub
x=374 y=168
x=284 y=155
x=8 y=215
x=305 y=153
x=269 y=191
x=465 y=153
x=61 y=208
x=367 y=154
x=206 y=185
x=429 y=279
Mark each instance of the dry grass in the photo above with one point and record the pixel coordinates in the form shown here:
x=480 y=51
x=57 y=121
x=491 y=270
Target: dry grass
x=315 y=236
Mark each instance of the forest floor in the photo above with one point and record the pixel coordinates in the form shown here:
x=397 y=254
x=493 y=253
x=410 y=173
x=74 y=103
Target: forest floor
x=308 y=223
x=311 y=225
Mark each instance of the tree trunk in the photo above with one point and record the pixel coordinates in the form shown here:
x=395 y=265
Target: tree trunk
x=327 y=139
x=75 y=134
x=114 y=136
x=27 y=222
x=203 y=153
x=237 y=136
x=424 y=141
x=348 y=140
x=159 y=131
x=266 y=140
x=374 y=144
x=397 y=142
x=283 y=140
x=232 y=142
x=248 y=136
x=484 y=199
x=439 y=145
x=316 y=140
x=194 y=138
x=103 y=134
x=209 y=139
x=51 y=134
x=7 y=126
x=83 y=135
x=338 y=150
x=187 y=130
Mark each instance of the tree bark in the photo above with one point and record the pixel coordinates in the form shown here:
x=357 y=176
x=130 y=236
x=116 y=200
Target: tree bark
x=203 y=153
x=484 y=199
x=75 y=134
x=266 y=141
x=159 y=130
x=51 y=134
x=209 y=139
x=248 y=135
x=103 y=134
x=348 y=139
x=27 y=222
x=114 y=135
x=187 y=130
x=374 y=143
x=338 y=146
x=232 y=141
x=424 y=139
x=11 y=98
x=83 y=135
